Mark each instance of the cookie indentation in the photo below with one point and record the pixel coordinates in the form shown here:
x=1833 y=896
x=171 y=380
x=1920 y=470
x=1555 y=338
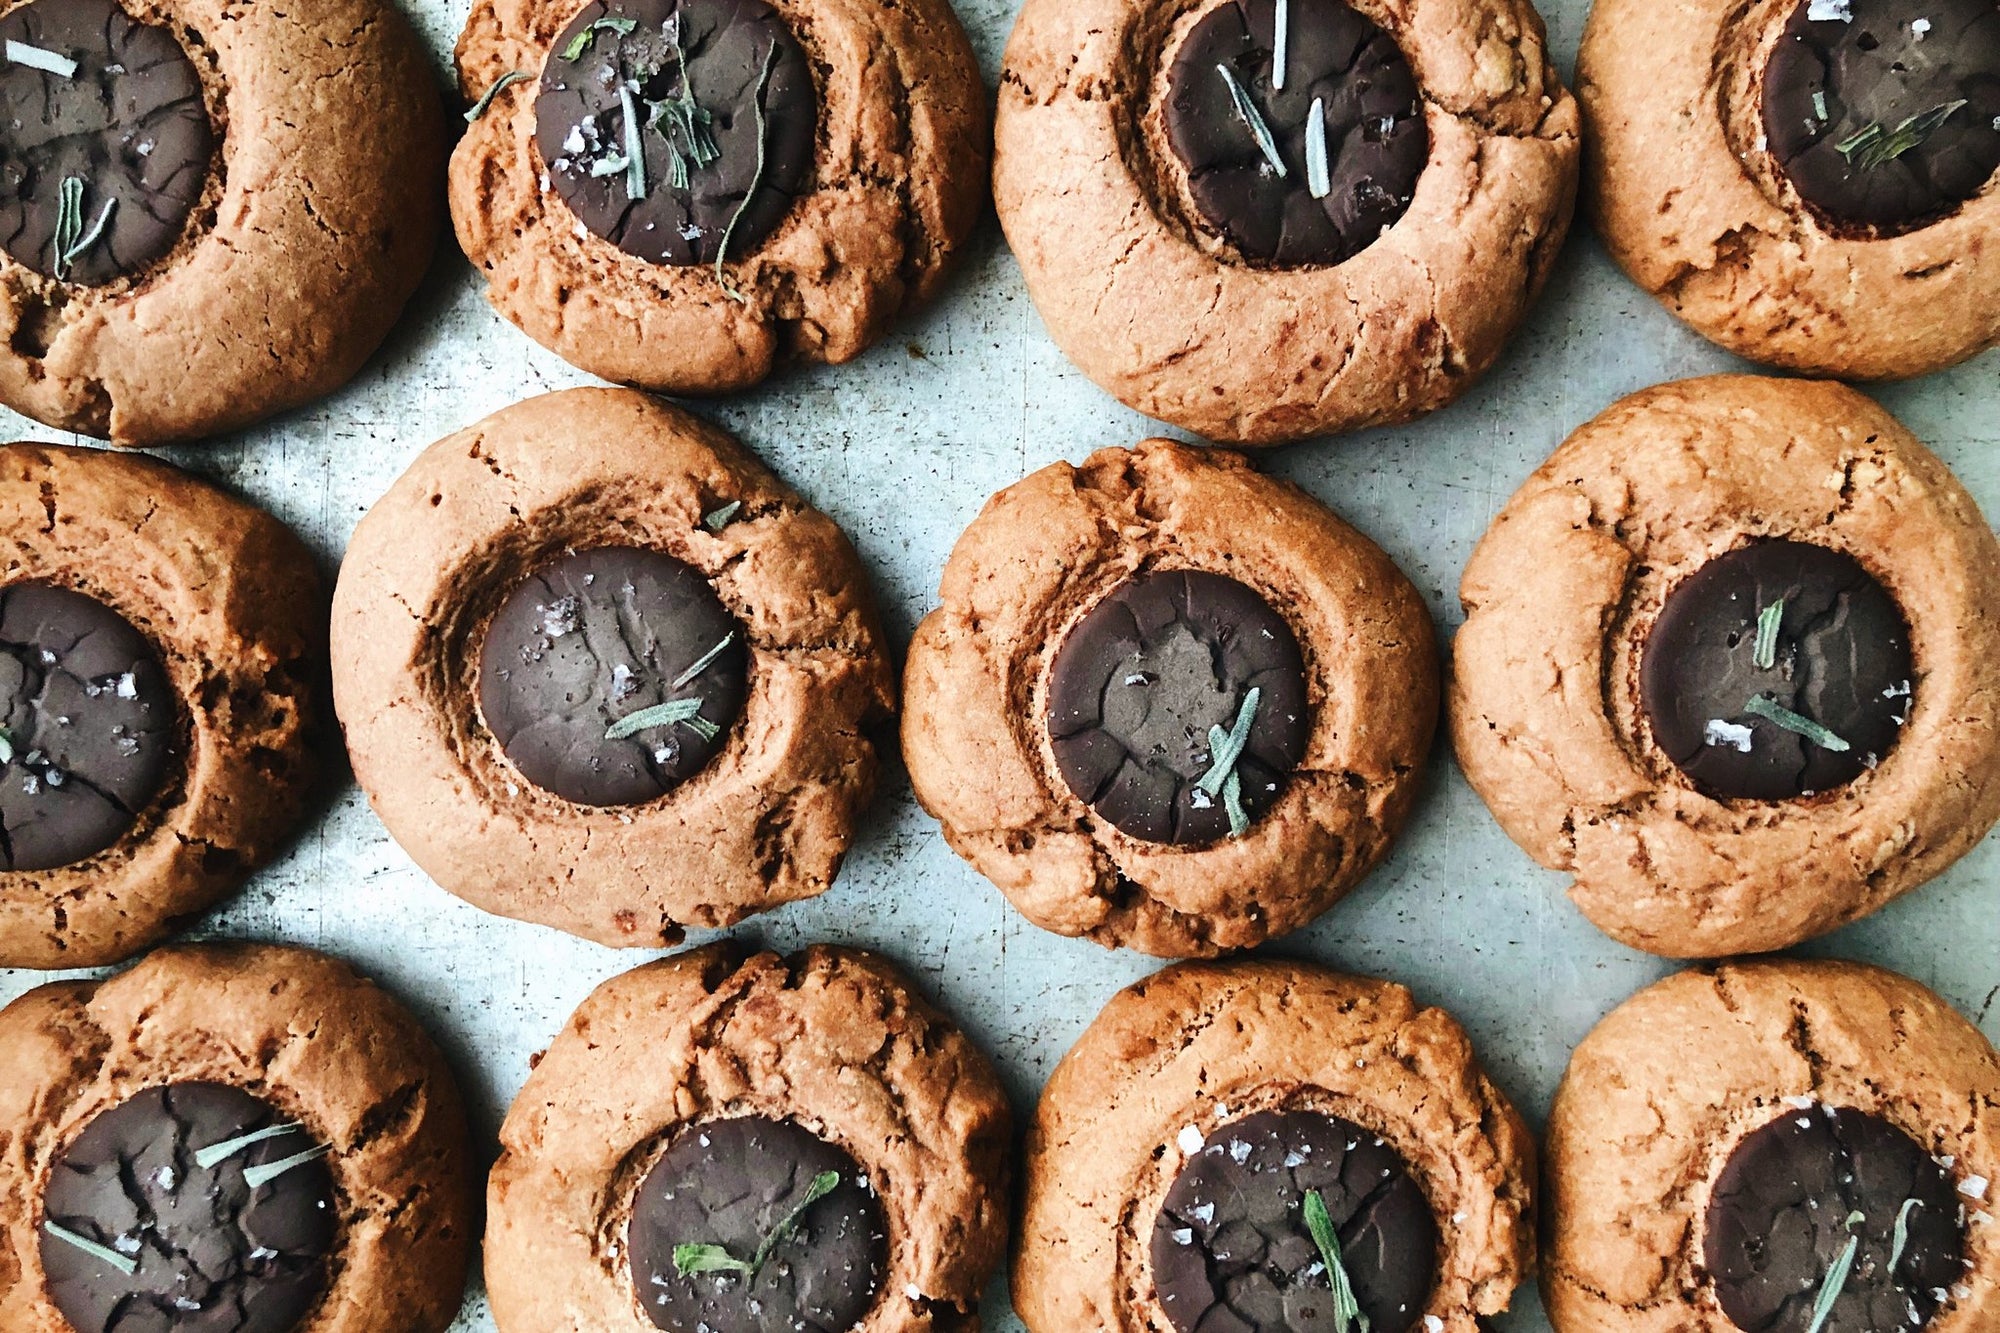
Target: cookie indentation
x=1834 y=1212
x=612 y=676
x=86 y=726
x=194 y=1207
x=105 y=141
x=1885 y=114
x=672 y=128
x=1304 y=161
x=1777 y=670
x=754 y=1225
x=1177 y=707
x=1233 y=1247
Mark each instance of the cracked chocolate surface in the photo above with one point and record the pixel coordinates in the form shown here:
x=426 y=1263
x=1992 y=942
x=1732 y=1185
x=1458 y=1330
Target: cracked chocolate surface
x=1909 y=89
x=1794 y=1196
x=87 y=716
x=592 y=637
x=213 y=1253
x=1141 y=679
x=734 y=1183
x=129 y=126
x=1842 y=660
x=726 y=107
x=1231 y=1251
x=1375 y=136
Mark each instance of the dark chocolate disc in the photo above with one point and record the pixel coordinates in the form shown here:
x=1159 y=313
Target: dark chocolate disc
x=1885 y=114
x=1801 y=1193
x=725 y=108
x=1374 y=132
x=1839 y=673
x=1232 y=1250
x=744 y=1192
x=86 y=726
x=1138 y=687
x=596 y=637
x=209 y=1250
x=117 y=124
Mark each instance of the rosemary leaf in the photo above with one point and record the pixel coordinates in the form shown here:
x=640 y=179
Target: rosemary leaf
x=1318 y=176
x=216 y=1153
x=718 y=519
x=1833 y=1284
x=257 y=1176
x=659 y=715
x=35 y=57
x=692 y=1259
x=1874 y=144
x=1223 y=756
x=124 y=1263
x=1765 y=655
x=703 y=662
x=581 y=42
x=1901 y=1240
x=498 y=86
x=69 y=222
x=756 y=181
x=1764 y=706
x=635 y=147
x=823 y=1184
x=1281 y=41
x=1247 y=109
x=1347 y=1312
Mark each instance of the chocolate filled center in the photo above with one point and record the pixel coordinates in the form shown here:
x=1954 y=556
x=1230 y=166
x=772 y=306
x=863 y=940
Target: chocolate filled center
x=1302 y=146
x=1177 y=707
x=1234 y=1250
x=1832 y=1215
x=611 y=676
x=1776 y=671
x=194 y=1207
x=679 y=130
x=757 y=1226
x=1885 y=114
x=105 y=140
x=86 y=726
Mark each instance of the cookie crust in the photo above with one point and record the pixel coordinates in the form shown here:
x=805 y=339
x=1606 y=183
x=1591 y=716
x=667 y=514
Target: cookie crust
x=976 y=685
x=318 y=222
x=896 y=188
x=1545 y=709
x=1254 y=1035
x=296 y=1028
x=1684 y=190
x=765 y=823
x=1661 y=1093
x=830 y=1038
x=1168 y=319
x=232 y=602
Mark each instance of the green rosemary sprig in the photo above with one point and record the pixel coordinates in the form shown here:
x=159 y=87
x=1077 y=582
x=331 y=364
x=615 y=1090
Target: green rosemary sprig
x=692 y=1259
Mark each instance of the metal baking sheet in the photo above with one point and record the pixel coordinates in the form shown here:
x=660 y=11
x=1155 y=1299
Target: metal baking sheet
x=902 y=447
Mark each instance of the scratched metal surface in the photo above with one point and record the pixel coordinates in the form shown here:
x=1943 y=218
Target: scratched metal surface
x=902 y=448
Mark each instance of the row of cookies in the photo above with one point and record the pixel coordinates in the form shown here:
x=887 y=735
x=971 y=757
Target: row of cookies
x=1256 y=219
x=254 y=1139
x=1727 y=660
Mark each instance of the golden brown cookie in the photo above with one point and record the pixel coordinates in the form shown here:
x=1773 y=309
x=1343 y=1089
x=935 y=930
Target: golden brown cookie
x=1132 y=186
x=1777 y=174
x=1205 y=1103
x=813 y=179
x=226 y=1126
x=241 y=237
x=1220 y=774
x=701 y=1104
x=159 y=647
x=1715 y=806
x=1739 y=1147
x=601 y=670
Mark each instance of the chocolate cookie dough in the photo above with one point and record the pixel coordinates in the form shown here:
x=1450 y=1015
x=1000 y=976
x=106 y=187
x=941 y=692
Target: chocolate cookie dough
x=1780 y=669
x=682 y=194
x=1238 y=1240
x=611 y=676
x=87 y=726
x=1159 y=172
x=228 y=1139
x=1268 y=1147
x=754 y=1225
x=1832 y=1208
x=1727 y=660
x=192 y=1207
x=599 y=669
x=159 y=641
x=723 y=113
x=746 y=1143
x=105 y=140
x=1304 y=165
x=1885 y=114
x=1168 y=703
x=1779 y=1146
x=1150 y=692
x=210 y=212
